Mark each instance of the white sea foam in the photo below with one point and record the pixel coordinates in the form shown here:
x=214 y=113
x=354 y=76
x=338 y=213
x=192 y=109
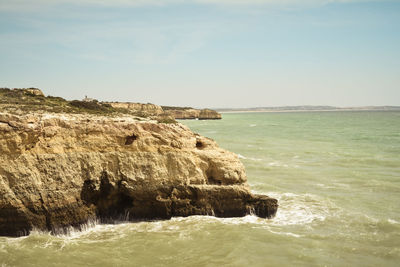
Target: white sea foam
x=240 y=156
x=298 y=209
x=391 y=221
x=341 y=185
x=255 y=159
x=201 y=220
x=253 y=125
x=249 y=219
x=294 y=209
x=325 y=186
x=278 y=164
x=286 y=233
x=86 y=233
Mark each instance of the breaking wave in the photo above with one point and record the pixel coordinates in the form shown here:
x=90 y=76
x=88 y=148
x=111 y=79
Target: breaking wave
x=297 y=209
x=248 y=158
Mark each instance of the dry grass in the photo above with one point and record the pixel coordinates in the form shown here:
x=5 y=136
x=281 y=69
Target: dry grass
x=21 y=101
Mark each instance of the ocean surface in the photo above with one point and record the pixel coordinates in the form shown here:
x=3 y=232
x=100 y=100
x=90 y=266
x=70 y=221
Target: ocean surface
x=336 y=176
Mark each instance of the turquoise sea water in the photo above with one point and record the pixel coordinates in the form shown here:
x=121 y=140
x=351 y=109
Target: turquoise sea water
x=336 y=176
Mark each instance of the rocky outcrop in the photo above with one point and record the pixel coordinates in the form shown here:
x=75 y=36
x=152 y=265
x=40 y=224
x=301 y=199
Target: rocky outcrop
x=31 y=91
x=146 y=109
x=34 y=91
x=173 y=112
x=59 y=170
x=209 y=114
x=191 y=113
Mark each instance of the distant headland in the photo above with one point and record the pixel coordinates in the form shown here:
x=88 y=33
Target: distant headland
x=33 y=99
x=307 y=108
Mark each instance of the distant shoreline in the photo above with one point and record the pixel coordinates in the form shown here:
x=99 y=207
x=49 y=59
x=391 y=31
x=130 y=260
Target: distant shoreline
x=293 y=109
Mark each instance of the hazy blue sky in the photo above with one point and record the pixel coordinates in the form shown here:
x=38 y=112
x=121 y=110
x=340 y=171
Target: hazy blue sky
x=205 y=53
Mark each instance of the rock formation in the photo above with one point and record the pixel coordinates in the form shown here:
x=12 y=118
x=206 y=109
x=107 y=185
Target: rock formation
x=60 y=170
x=34 y=91
x=190 y=113
x=146 y=109
x=178 y=113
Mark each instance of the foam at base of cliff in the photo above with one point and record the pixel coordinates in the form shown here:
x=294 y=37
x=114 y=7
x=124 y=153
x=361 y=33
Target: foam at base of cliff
x=61 y=170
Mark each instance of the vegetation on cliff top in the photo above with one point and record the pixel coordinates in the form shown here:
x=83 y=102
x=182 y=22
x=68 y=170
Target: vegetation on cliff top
x=175 y=108
x=23 y=101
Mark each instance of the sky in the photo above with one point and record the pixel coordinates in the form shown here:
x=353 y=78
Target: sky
x=205 y=53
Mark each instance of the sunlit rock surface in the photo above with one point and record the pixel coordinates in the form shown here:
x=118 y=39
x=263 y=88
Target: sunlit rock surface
x=59 y=170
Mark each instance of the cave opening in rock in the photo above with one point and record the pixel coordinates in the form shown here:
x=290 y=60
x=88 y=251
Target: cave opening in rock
x=199 y=144
x=213 y=181
x=130 y=138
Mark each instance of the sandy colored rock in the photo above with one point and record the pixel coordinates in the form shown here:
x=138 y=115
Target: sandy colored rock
x=34 y=91
x=175 y=113
x=190 y=114
x=59 y=170
x=147 y=109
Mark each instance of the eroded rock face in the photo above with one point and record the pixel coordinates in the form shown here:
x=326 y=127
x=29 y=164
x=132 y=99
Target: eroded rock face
x=178 y=113
x=189 y=114
x=209 y=114
x=61 y=170
x=148 y=109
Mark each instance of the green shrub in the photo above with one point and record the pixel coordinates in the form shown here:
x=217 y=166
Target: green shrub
x=166 y=119
x=174 y=108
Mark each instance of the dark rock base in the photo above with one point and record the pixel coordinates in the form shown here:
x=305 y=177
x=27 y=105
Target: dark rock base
x=109 y=202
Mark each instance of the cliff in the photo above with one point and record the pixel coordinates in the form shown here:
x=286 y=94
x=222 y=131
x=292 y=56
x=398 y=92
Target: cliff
x=32 y=99
x=190 y=113
x=60 y=170
x=146 y=109
x=179 y=113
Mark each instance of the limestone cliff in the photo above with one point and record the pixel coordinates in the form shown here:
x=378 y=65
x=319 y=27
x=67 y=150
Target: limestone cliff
x=32 y=99
x=146 y=109
x=179 y=113
x=191 y=113
x=59 y=170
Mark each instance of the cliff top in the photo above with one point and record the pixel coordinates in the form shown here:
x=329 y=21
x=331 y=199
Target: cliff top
x=32 y=100
x=21 y=101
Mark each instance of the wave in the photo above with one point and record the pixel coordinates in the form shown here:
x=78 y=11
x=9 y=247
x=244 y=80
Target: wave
x=294 y=209
x=296 y=213
x=286 y=233
x=240 y=156
x=277 y=164
x=298 y=209
x=280 y=164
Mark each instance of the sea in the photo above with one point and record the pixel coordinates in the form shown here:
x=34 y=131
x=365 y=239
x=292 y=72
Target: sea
x=336 y=176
